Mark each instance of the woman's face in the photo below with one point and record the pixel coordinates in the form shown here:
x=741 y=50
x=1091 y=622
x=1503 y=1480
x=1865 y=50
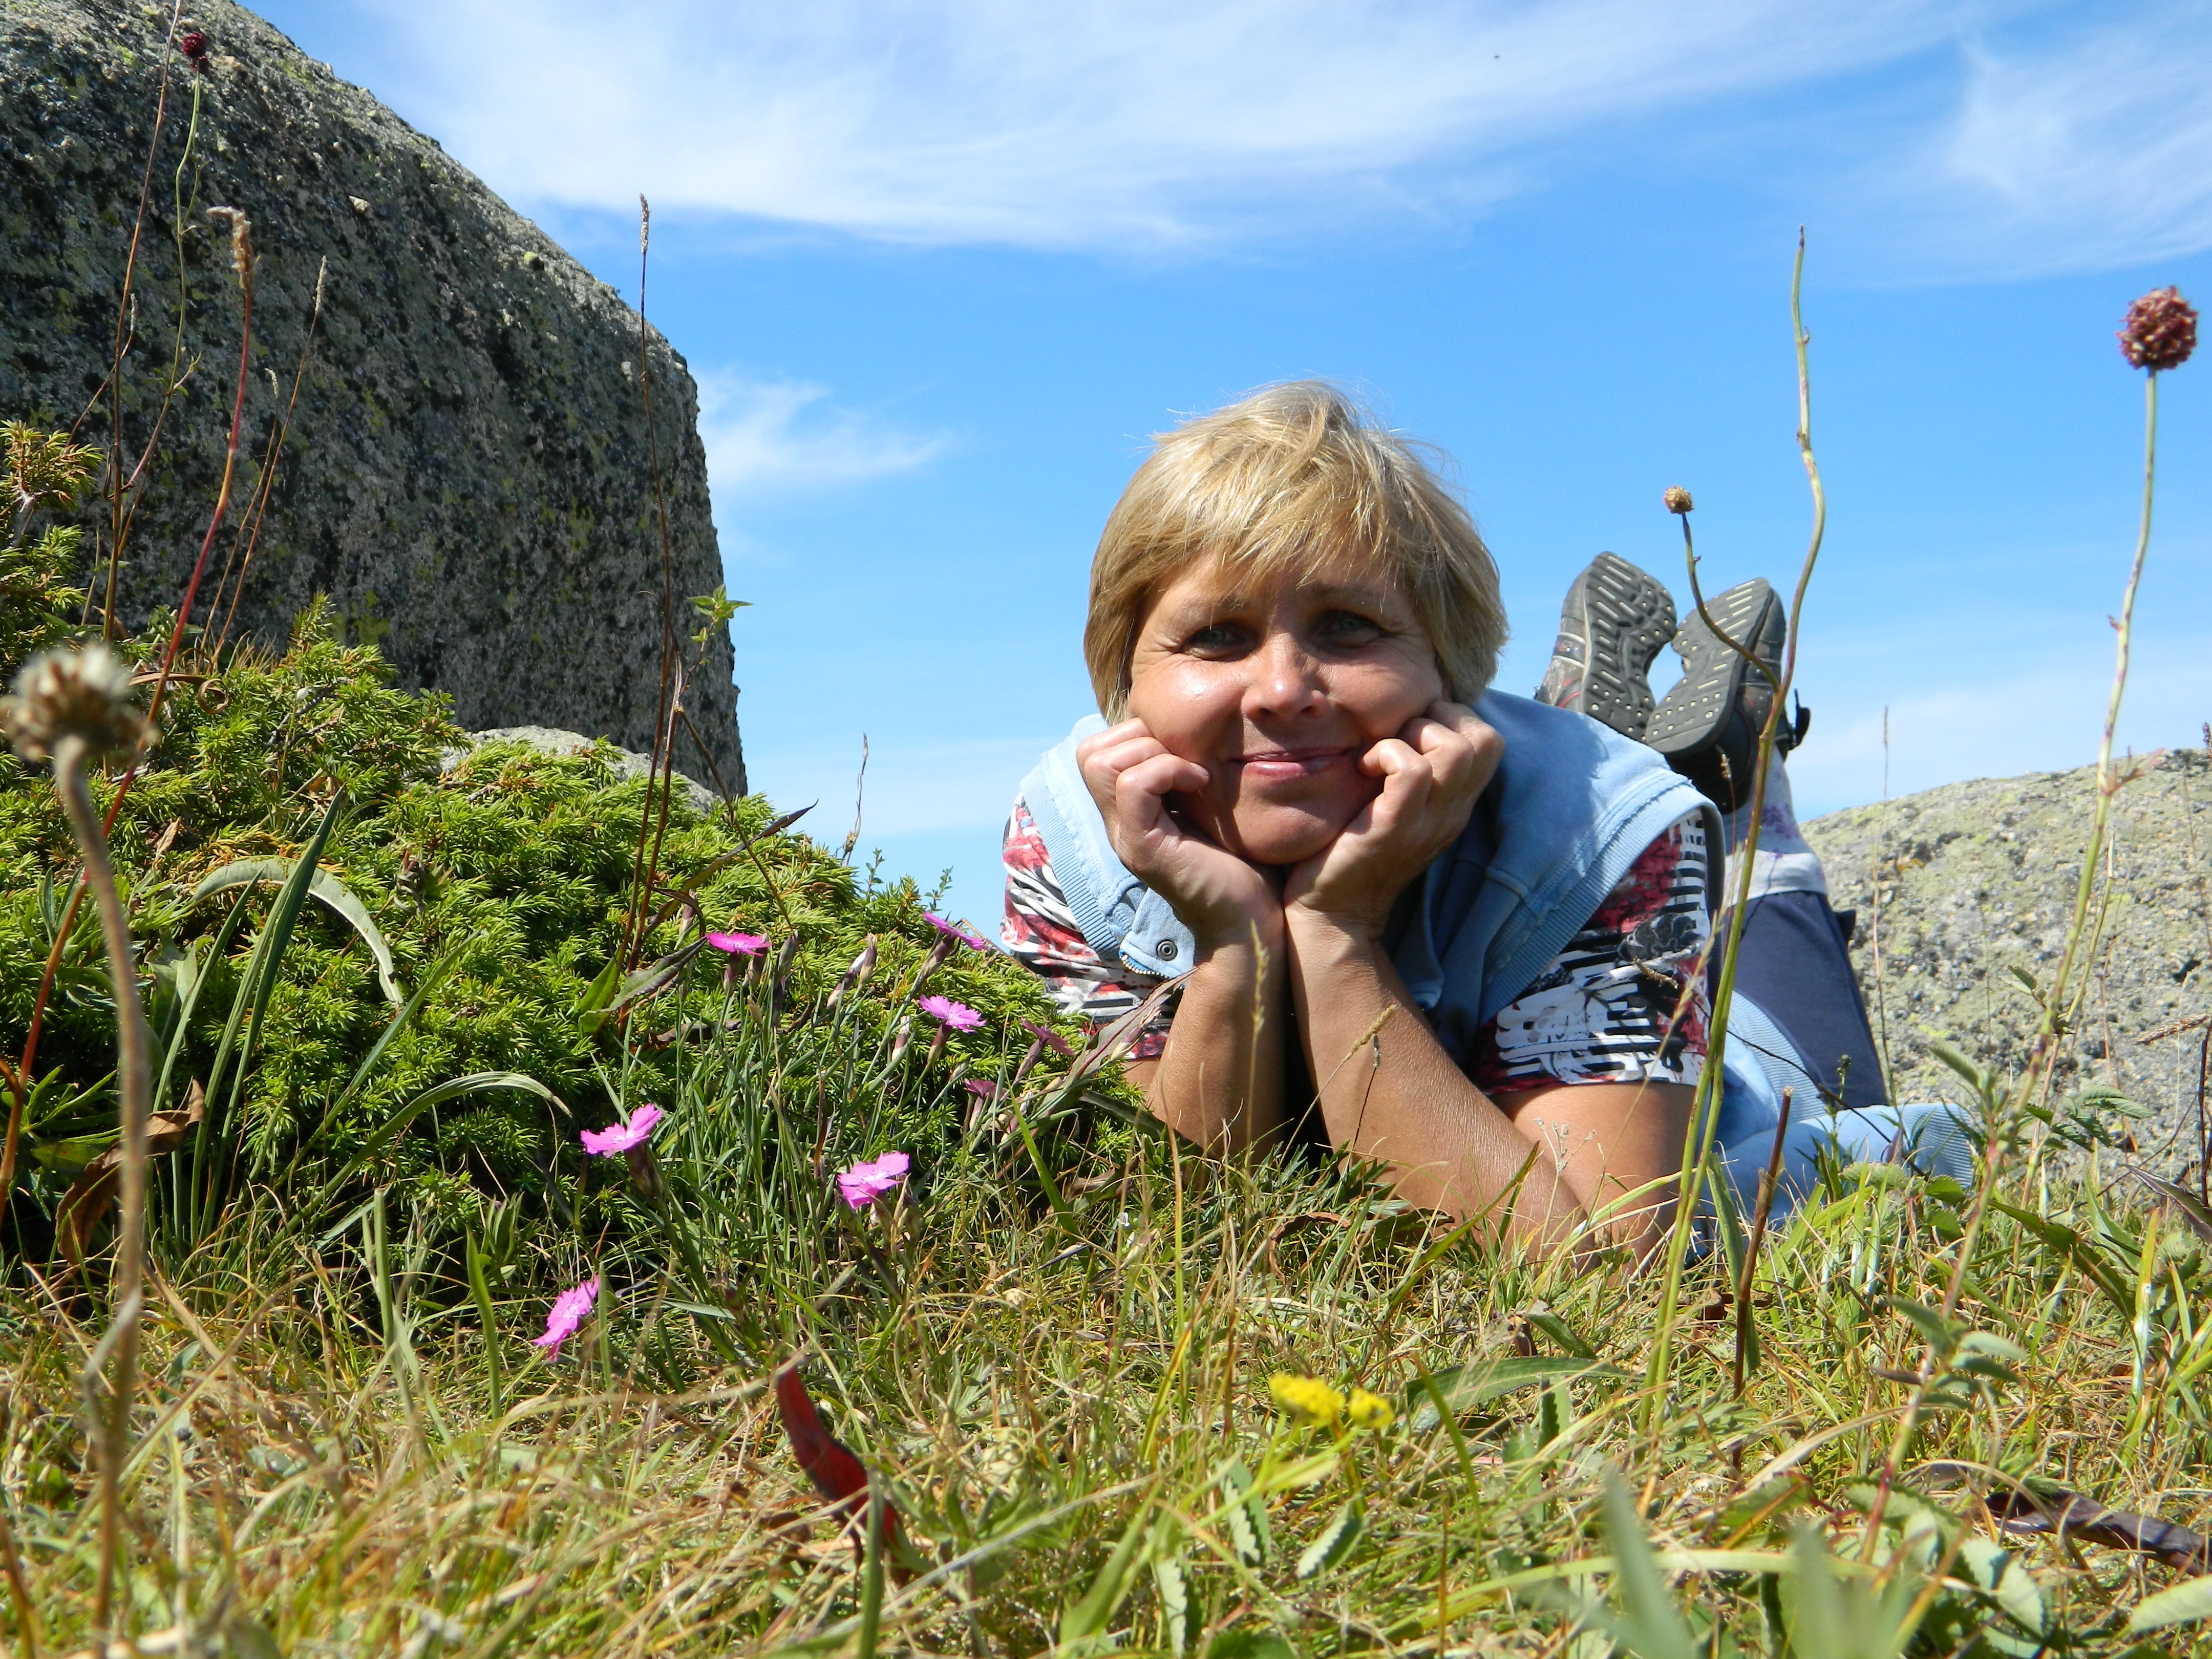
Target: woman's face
x=1277 y=689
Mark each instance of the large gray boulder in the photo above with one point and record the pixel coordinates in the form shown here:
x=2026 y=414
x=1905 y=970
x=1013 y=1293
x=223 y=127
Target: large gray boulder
x=1960 y=890
x=467 y=475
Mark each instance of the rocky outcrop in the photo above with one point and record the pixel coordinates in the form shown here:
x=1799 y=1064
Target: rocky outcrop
x=1961 y=889
x=468 y=473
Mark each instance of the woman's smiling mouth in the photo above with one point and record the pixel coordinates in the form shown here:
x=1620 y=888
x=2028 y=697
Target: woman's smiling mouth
x=1288 y=765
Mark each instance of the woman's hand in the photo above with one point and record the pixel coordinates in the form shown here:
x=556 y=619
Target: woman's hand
x=1218 y=896
x=1433 y=772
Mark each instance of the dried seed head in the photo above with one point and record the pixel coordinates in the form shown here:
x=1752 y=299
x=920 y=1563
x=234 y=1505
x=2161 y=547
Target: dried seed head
x=1677 y=499
x=2160 y=331
x=241 y=240
x=74 y=693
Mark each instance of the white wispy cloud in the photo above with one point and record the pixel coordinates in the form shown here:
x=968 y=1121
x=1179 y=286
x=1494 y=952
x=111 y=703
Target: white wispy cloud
x=773 y=436
x=2085 y=143
x=1956 y=136
x=2045 y=720
x=1142 y=123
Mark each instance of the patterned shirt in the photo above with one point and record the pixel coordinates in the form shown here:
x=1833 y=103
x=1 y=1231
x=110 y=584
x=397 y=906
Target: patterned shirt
x=1624 y=1002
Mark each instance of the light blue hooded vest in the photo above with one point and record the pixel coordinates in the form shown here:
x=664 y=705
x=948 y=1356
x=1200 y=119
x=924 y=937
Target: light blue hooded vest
x=1572 y=806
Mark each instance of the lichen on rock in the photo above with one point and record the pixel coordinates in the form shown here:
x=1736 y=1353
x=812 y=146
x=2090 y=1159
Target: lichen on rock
x=1961 y=889
x=467 y=475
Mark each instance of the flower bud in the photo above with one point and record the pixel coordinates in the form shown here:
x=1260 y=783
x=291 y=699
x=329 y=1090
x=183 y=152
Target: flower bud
x=644 y=1176
x=855 y=976
x=74 y=693
x=2159 y=330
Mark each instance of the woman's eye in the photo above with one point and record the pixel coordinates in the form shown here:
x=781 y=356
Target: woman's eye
x=1345 y=627
x=1215 y=638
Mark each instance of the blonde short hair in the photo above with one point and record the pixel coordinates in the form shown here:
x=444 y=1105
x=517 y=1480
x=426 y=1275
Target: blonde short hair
x=1278 y=484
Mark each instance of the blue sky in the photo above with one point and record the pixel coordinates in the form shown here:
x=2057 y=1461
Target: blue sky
x=941 y=268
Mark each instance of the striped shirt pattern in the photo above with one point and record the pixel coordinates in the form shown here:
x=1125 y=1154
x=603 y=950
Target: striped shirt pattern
x=1624 y=1002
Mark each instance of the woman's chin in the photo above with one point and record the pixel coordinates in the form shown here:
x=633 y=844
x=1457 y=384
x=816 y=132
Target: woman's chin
x=1285 y=838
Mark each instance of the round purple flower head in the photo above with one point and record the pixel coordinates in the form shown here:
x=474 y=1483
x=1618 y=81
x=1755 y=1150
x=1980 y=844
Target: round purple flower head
x=2160 y=330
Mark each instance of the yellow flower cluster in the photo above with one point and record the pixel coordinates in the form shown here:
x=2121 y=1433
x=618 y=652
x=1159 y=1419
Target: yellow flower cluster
x=1369 y=1411
x=1310 y=1400
x=1307 y=1398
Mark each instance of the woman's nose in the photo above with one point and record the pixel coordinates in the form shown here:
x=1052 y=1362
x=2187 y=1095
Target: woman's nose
x=1286 y=679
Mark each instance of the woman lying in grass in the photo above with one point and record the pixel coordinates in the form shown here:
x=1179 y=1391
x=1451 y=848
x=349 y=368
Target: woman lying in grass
x=1455 y=931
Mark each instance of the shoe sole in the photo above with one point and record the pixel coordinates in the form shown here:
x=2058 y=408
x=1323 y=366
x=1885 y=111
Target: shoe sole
x=1625 y=618
x=1696 y=707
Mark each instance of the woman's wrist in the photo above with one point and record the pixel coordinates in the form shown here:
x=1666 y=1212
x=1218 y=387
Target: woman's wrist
x=1230 y=935
x=1316 y=932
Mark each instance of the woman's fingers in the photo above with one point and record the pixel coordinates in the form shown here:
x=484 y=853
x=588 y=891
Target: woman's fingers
x=1102 y=757
x=1462 y=749
x=1145 y=786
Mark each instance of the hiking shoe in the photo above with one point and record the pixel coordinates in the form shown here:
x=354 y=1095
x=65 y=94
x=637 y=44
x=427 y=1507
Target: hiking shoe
x=1614 y=622
x=1709 y=723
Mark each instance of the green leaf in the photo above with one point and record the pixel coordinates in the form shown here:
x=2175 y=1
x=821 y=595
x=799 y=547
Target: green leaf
x=2001 y=1576
x=1561 y=1331
x=2072 y=1248
x=1249 y=1530
x=1334 y=1542
x=595 y=997
x=1650 y=1623
x=1250 y=1644
x=430 y=981
x=1466 y=1387
x=321 y=885
x=1288 y=1477
x=1089 y=1617
x=2193 y=1209
x=2174 y=1606
x=654 y=977
x=1966 y=1068
x=1941 y=1333
x=1168 y=1578
x=475 y=1082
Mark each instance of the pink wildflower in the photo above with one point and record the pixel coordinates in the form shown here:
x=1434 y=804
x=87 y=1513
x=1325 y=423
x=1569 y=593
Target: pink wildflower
x=739 y=944
x=953 y=930
x=866 y=1182
x=567 y=1314
x=621 y=1137
x=958 y=1015
x=983 y=1086
x=1052 y=1039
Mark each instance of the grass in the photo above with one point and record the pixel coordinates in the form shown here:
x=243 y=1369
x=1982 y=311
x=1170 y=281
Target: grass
x=337 y=1450
x=1053 y=1350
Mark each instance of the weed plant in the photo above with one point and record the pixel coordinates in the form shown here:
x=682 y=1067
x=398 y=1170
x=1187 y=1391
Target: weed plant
x=1111 y=1391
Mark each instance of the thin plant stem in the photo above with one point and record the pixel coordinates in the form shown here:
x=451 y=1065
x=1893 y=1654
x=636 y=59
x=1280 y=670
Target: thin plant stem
x=122 y=313
x=127 y=501
x=251 y=530
x=11 y=1563
x=1764 y=1207
x=661 y=778
x=2036 y=1075
x=1705 y=1118
x=243 y=248
x=169 y=662
x=136 y=1080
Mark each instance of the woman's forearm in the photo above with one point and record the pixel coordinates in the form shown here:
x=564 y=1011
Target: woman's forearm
x=1393 y=1094
x=1220 y=1081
